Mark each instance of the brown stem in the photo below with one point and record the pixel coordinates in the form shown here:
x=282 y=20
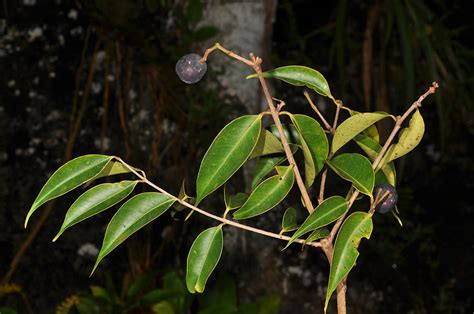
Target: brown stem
x=215 y=217
x=399 y=120
x=284 y=141
x=255 y=63
x=326 y=124
x=341 y=297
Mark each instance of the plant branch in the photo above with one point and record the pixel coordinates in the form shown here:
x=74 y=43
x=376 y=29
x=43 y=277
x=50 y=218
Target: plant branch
x=399 y=120
x=326 y=124
x=212 y=216
x=255 y=63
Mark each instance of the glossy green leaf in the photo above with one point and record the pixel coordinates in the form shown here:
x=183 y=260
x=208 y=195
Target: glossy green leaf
x=409 y=138
x=314 y=143
x=136 y=213
x=203 y=258
x=227 y=153
x=289 y=221
x=94 y=201
x=268 y=194
x=68 y=177
x=371 y=131
x=264 y=166
x=236 y=200
x=317 y=234
x=290 y=131
x=356 y=169
x=300 y=76
x=372 y=149
x=328 y=211
x=267 y=144
x=354 y=125
x=357 y=226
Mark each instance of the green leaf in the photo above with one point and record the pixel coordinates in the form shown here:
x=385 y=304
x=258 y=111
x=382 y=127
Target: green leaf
x=357 y=226
x=235 y=201
x=203 y=258
x=131 y=217
x=372 y=149
x=94 y=201
x=289 y=221
x=68 y=177
x=371 y=131
x=317 y=234
x=227 y=153
x=356 y=169
x=300 y=76
x=290 y=131
x=409 y=138
x=267 y=144
x=268 y=194
x=354 y=125
x=314 y=143
x=328 y=211
x=112 y=168
x=264 y=166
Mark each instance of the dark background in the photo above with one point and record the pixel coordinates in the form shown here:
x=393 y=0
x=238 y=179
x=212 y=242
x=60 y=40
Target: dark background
x=92 y=76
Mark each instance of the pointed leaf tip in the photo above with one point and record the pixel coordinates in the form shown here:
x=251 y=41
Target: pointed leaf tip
x=68 y=177
x=134 y=214
x=95 y=201
x=357 y=226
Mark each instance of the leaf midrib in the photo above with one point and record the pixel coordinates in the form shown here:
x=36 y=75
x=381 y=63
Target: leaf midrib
x=201 y=267
x=113 y=244
x=128 y=185
x=69 y=179
x=283 y=180
x=341 y=257
x=232 y=150
x=310 y=226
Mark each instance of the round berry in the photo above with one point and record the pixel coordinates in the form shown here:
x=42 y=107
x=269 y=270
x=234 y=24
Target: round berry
x=189 y=68
x=387 y=197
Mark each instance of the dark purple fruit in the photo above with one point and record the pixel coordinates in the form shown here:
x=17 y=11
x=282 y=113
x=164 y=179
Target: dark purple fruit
x=386 y=196
x=189 y=69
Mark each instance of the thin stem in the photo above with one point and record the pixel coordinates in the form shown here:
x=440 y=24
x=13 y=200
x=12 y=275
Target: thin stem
x=255 y=63
x=378 y=159
x=322 y=186
x=212 y=216
x=336 y=116
x=284 y=141
x=326 y=124
x=218 y=46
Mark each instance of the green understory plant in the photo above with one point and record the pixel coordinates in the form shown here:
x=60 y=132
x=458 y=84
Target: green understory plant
x=330 y=226
x=170 y=297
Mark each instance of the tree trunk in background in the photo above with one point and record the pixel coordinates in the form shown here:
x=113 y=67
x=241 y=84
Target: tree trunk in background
x=245 y=26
